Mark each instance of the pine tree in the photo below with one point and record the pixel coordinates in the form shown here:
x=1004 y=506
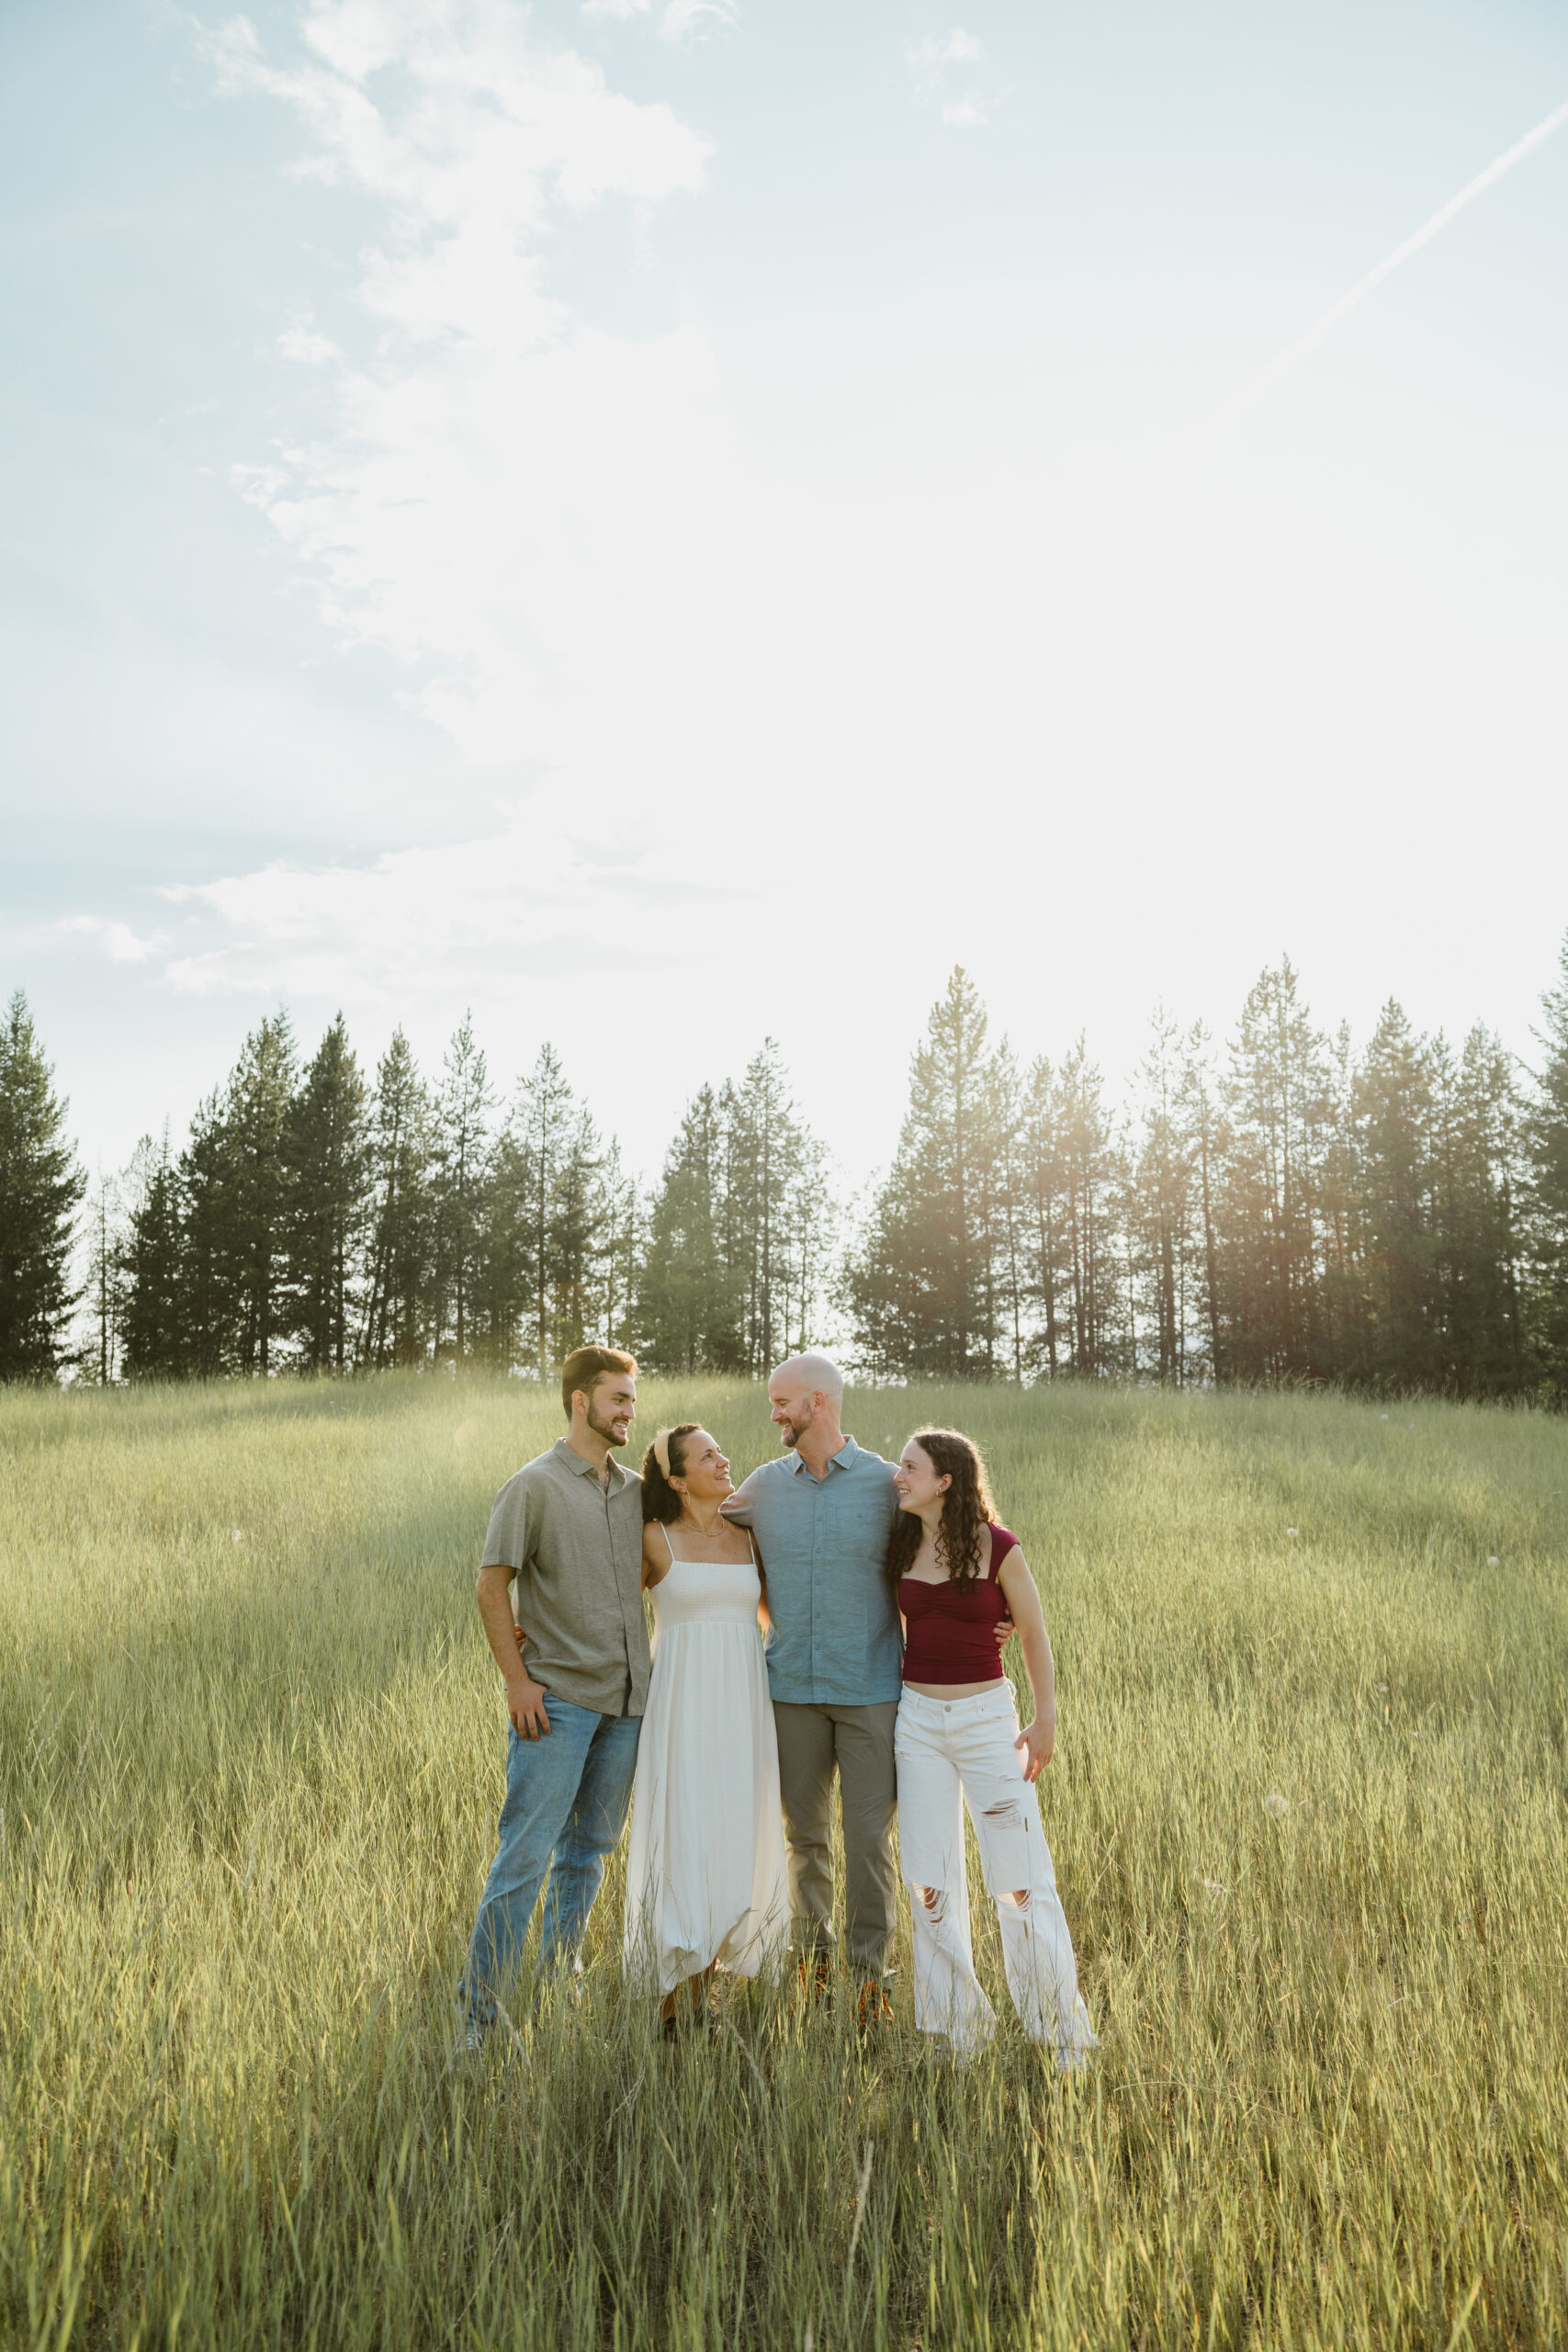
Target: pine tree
x=1342 y=1301
x=397 y=1306
x=1393 y=1108
x=766 y=1156
x=327 y=1161
x=810 y=1232
x=504 y=1262
x=461 y=1183
x=576 y=1239
x=620 y=1250
x=921 y=1288
x=41 y=1189
x=1279 y=1105
x=1479 y=1150
x=1160 y=1201
x=543 y=1122
x=98 y=1361
x=1092 y=1176
x=1044 y=1216
x=999 y=1167
x=154 y=1267
x=255 y=1131
x=1207 y=1141
x=1547 y=1139
x=688 y=1312
x=207 y=1318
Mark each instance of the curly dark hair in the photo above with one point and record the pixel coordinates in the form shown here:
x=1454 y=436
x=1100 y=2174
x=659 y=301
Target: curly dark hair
x=968 y=1509
x=659 y=1500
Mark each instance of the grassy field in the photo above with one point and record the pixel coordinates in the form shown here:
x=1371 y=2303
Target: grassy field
x=1310 y=1819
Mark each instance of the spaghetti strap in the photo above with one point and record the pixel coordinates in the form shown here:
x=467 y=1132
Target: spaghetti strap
x=668 y=1545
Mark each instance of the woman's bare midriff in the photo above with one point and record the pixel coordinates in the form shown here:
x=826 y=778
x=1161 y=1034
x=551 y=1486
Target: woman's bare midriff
x=955 y=1689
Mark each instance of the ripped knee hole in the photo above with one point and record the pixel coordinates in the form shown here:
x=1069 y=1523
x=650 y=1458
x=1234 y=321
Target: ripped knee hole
x=1008 y=1810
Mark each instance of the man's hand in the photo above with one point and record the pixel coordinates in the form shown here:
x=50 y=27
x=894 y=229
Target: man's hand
x=526 y=1705
x=1005 y=1629
x=1037 y=1740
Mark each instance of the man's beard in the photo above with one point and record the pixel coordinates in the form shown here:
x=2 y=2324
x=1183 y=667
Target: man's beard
x=606 y=1429
x=788 y=1435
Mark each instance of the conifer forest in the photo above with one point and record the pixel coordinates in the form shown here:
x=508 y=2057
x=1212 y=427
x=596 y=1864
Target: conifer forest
x=1274 y=1206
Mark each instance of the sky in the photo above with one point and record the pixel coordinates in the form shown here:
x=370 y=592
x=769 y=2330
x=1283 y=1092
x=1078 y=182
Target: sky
x=673 y=522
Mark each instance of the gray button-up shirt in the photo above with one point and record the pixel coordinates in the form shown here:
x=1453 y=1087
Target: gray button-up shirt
x=575 y=1551
x=835 y=1639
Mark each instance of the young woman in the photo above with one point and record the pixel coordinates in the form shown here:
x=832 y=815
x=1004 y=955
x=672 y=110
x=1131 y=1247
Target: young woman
x=705 y=1881
x=957 y=1573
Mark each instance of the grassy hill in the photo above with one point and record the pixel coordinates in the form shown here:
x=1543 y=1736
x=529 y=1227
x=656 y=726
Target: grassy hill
x=1310 y=1819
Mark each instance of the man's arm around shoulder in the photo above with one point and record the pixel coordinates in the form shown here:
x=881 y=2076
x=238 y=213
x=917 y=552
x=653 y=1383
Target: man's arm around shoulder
x=742 y=1503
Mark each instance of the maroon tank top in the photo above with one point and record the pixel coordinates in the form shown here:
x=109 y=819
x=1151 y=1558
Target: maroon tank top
x=951 y=1628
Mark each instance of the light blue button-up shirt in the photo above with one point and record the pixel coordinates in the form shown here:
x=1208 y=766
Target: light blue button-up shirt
x=835 y=1640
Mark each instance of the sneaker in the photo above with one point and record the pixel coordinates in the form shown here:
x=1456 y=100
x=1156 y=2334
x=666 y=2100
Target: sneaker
x=473 y=2041
x=876 y=2010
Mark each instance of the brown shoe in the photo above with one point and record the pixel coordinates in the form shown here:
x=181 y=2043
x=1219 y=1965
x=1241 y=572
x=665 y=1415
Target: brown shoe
x=876 y=2010
x=816 y=1976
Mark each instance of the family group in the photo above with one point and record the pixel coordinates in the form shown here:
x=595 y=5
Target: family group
x=837 y=1615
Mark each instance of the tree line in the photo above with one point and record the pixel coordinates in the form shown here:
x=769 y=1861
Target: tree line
x=315 y=1221
x=1281 y=1209
x=1277 y=1208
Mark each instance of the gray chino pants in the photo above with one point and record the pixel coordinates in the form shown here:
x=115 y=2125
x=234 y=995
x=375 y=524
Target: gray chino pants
x=856 y=1742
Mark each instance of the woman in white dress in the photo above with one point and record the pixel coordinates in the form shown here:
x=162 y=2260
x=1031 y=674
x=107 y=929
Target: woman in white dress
x=706 y=1877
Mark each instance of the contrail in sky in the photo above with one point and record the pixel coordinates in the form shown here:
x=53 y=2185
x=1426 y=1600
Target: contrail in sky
x=1291 y=359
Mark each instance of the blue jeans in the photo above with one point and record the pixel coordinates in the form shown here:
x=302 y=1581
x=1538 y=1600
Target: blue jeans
x=566 y=1805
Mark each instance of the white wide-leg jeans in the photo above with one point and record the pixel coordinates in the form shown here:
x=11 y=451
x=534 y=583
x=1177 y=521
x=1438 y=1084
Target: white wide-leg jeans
x=952 y=1747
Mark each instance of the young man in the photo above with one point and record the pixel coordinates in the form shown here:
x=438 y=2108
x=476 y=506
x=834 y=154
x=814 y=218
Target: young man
x=822 y=1516
x=568 y=1530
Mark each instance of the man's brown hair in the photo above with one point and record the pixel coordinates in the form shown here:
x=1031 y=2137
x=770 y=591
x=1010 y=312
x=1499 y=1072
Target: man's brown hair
x=585 y=1367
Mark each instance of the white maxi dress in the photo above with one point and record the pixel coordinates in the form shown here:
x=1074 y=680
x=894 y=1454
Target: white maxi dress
x=706 y=1871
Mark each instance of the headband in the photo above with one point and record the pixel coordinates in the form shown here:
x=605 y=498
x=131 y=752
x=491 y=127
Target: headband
x=661 y=1450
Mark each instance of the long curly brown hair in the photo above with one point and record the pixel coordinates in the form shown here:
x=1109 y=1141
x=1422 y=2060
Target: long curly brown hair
x=659 y=1498
x=967 y=1510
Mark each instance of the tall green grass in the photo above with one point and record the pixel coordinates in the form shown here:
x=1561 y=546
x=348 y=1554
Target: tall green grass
x=1308 y=1814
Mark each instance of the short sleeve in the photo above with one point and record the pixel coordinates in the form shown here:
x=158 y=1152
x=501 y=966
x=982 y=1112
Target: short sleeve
x=514 y=1524
x=1001 y=1544
x=741 y=1506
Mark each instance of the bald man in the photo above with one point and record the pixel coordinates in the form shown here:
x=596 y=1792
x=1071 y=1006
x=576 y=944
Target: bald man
x=822 y=1515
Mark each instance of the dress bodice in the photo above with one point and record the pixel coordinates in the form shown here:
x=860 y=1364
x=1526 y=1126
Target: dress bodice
x=706 y=1593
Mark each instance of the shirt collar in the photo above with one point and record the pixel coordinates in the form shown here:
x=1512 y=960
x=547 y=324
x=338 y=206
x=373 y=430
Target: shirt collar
x=840 y=1461
x=567 y=1454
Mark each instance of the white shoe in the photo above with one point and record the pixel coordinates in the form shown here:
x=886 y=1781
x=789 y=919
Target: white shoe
x=472 y=2041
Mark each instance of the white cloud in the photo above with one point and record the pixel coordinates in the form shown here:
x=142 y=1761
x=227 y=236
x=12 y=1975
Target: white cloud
x=117 y=940
x=475 y=916
x=966 y=114
x=509 y=500
x=933 y=63
x=686 y=19
x=679 y=20
x=997 y=608
x=300 y=342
